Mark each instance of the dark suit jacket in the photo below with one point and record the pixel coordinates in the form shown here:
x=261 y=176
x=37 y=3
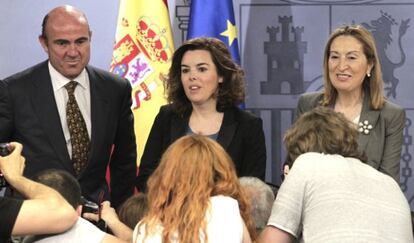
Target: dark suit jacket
x=241 y=135
x=383 y=144
x=29 y=115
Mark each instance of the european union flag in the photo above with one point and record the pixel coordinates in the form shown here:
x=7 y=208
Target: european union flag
x=214 y=18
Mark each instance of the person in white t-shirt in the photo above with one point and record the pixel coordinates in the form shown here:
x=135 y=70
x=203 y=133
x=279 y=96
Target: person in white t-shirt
x=194 y=196
x=330 y=195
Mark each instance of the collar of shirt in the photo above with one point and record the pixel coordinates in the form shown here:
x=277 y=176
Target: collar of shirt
x=59 y=81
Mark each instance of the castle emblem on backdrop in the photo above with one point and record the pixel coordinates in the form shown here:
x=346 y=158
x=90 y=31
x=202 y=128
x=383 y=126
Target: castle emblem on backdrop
x=381 y=29
x=285 y=58
x=136 y=58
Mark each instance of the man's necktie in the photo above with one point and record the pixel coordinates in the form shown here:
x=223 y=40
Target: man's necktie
x=77 y=128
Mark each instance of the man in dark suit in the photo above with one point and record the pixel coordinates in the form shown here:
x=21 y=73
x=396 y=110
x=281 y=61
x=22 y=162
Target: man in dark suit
x=37 y=109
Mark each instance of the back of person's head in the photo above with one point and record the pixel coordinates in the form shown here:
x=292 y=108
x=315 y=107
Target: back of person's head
x=133 y=209
x=63 y=182
x=193 y=169
x=322 y=130
x=230 y=92
x=261 y=198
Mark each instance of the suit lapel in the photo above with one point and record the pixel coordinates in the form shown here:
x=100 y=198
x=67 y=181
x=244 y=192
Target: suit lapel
x=179 y=126
x=99 y=111
x=227 y=129
x=367 y=114
x=44 y=105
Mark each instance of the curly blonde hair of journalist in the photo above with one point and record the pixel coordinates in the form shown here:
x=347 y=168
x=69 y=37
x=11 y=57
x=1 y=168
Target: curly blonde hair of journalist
x=193 y=169
x=322 y=130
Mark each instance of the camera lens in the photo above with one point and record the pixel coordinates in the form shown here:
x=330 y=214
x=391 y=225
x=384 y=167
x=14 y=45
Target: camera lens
x=4 y=149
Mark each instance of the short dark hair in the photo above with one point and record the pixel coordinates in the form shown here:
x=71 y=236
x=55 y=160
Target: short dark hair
x=322 y=130
x=44 y=22
x=230 y=92
x=63 y=182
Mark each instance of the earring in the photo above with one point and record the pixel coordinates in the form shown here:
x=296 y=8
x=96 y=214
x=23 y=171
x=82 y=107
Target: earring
x=369 y=75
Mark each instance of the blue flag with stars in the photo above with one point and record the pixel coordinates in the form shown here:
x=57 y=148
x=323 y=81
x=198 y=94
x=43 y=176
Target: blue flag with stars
x=214 y=18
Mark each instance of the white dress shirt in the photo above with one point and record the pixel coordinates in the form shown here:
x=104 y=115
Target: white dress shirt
x=82 y=95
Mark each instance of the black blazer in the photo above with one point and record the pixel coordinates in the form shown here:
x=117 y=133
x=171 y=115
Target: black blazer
x=241 y=135
x=29 y=115
x=383 y=143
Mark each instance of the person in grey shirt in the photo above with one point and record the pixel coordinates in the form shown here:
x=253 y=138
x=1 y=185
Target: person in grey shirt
x=330 y=194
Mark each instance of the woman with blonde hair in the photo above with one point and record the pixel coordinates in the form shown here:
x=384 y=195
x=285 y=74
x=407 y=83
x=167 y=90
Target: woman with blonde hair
x=194 y=196
x=353 y=86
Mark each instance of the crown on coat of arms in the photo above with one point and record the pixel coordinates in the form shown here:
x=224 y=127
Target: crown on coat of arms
x=388 y=16
x=152 y=41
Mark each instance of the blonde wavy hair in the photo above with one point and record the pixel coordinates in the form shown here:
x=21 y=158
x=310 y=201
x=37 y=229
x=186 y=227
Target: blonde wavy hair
x=193 y=169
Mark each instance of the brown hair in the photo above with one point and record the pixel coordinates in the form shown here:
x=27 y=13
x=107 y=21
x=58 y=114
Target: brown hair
x=193 y=169
x=230 y=92
x=373 y=86
x=133 y=210
x=322 y=130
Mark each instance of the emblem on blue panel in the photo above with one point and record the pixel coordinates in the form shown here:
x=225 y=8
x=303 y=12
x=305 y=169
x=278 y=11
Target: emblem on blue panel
x=285 y=58
x=382 y=32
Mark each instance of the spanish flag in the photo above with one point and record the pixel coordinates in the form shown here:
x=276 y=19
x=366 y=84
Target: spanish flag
x=142 y=52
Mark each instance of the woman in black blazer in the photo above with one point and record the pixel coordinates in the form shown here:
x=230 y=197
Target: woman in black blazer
x=204 y=87
x=353 y=85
